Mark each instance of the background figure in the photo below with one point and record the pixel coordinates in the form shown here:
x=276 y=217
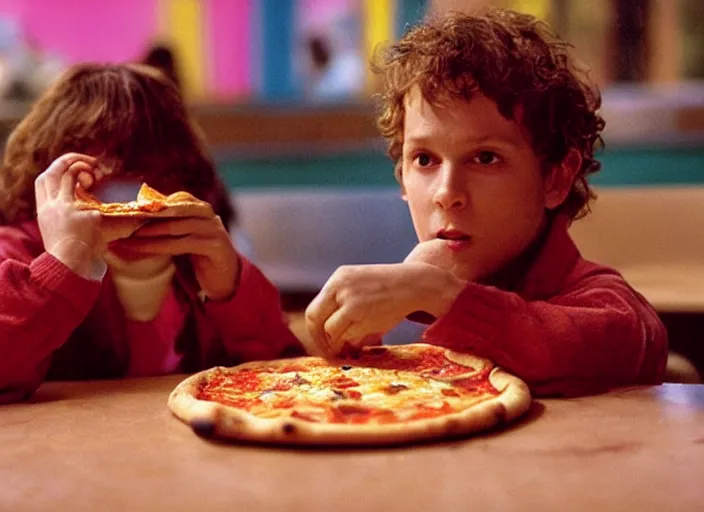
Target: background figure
x=162 y=57
x=25 y=70
x=332 y=66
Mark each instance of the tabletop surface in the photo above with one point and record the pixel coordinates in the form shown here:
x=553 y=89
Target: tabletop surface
x=113 y=445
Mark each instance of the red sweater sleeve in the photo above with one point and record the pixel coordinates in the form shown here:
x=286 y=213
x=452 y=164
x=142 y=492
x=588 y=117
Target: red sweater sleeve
x=252 y=323
x=41 y=303
x=598 y=336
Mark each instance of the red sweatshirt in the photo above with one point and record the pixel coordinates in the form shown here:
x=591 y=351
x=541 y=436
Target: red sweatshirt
x=56 y=325
x=569 y=327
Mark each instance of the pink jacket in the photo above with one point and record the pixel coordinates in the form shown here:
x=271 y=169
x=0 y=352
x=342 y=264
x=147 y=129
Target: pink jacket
x=56 y=325
x=569 y=326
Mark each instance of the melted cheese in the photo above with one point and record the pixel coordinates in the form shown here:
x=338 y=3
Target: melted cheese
x=321 y=392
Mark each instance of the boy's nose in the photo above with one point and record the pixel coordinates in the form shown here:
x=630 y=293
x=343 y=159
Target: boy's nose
x=451 y=191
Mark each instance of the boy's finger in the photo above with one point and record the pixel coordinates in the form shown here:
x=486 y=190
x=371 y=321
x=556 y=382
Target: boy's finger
x=357 y=335
x=336 y=327
x=317 y=313
x=434 y=252
x=350 y=351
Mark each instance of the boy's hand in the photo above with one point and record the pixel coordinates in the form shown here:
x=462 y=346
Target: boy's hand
x=75 y=237
x=213 y=255
x=434 y=252
x=359 y=303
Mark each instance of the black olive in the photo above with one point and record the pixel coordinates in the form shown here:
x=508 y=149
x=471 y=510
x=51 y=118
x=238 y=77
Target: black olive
x=345 y=367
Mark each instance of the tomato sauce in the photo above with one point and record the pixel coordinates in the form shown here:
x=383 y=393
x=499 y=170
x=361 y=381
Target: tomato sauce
x=430 y=361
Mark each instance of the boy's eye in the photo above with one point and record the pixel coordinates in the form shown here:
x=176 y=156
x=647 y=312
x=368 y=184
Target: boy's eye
x=486 y=158
x=423 y=160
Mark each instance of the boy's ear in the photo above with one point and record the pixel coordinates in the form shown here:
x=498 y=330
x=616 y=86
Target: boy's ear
x=560 y=178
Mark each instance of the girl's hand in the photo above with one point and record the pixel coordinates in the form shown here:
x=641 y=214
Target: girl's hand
x=213 y=255
x=77 y=238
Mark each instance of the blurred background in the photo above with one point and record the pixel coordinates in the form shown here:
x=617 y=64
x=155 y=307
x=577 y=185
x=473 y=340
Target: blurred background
x=283 y=92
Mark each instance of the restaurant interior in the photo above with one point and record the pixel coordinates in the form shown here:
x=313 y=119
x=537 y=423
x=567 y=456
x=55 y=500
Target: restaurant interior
x=285 y=97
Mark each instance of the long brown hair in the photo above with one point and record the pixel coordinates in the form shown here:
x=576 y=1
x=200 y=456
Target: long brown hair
x=513 y=59
x=130 y=116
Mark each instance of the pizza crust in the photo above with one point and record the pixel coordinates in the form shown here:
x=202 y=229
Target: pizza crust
x=211 y=419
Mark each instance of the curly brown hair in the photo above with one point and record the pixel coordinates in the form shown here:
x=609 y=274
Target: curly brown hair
x=130 y=116
x=515 y=60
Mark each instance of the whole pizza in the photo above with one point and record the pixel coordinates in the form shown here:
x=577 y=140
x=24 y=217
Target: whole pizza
x=384 y=395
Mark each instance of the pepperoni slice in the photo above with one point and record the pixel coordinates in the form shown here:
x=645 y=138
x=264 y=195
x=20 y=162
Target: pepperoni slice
x=343 y=382
x=243 y=380
x=246 y=404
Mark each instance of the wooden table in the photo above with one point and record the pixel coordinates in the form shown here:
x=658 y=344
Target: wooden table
x=114 y=446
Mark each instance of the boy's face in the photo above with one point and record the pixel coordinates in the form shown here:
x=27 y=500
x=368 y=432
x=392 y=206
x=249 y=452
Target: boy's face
x=472 y=179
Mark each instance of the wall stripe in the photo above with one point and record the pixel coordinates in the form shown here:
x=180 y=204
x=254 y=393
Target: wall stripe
x=228 y=47
x=277 y=20
x=181 y=23
x=379 y=27
x=538 y=8
x=651 y=166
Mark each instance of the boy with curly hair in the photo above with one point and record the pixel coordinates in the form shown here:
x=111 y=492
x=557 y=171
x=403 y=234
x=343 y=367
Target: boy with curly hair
x=492 y=128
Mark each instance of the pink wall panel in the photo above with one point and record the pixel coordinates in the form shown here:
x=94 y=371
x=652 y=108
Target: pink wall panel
x=229 y=45
x=85 y=30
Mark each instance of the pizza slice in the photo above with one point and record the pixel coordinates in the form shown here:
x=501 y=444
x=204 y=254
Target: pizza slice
x=149 y=204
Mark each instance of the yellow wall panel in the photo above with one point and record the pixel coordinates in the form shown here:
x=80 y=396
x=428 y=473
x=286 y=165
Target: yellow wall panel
x=378 y=25
x=181 y=24
x=538 y=8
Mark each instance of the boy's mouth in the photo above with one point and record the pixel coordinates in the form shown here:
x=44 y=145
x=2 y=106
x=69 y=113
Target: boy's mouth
x=456 y=240
x=452 y=234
